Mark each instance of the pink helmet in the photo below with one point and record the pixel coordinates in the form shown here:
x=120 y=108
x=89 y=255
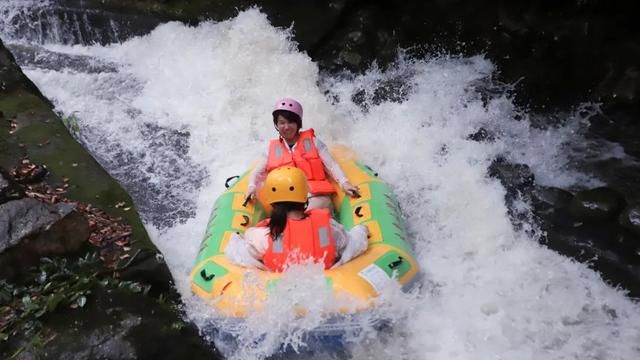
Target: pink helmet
x=288 y=104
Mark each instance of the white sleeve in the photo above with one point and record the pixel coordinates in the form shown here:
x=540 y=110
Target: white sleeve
x=238 y=251
x=257 y=240
x=349 y=244
x=330 y=164
x=259 y=174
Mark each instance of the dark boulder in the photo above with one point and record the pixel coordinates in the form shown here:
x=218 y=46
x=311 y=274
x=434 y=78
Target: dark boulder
x=551 y=206
x=599 y=204
x=603 y=251
x=555 y=197
x=149 y=267
x=9 y=190
x=26 y=217
x=516 y=178
x=30 y=229
x=629 y=219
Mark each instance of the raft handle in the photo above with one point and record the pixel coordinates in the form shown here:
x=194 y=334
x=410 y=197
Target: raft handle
x=375 y=173
x=396 y=263
x=226 y=183
x=204 y=275
x=357 y=212
x=246 y=220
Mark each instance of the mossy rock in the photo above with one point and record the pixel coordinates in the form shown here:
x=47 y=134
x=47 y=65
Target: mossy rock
x=42 y=137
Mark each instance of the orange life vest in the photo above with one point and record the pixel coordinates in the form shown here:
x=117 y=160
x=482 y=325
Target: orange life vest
x=308 y=238
x=305 y=157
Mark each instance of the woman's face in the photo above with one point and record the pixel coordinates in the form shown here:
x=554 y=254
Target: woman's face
x=287 y=129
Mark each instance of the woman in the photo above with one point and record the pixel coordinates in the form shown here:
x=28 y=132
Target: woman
x=302 y=150
x=294 y=234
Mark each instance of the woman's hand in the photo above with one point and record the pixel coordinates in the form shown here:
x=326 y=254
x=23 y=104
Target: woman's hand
x=351 y=190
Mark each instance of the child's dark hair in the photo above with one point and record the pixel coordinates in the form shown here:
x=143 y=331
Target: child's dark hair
x=287 y=115
x=279 y=216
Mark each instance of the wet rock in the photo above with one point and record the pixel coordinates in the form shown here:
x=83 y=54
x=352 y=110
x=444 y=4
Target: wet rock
x=599 y=204
x=9 y=190
x=4 y=180
x=603 y=251
x=516 y=178
x=30 y=229
x=551 y=205
x=558 y=198
x=630 y=218
x=150 y=268
x=558 y=53
x=77 y=22
x=351 y=58
x=22 y=218
x=619 y=124
x=40 y=57
x=9 y=78
x=12 y=78
x=628 y=244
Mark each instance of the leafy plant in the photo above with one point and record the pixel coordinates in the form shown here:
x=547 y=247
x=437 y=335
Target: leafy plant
x=56 y=283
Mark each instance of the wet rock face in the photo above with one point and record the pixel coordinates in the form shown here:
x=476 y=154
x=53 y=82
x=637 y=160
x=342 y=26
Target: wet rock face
x=9 y=190
x=598 y=204
x=590 y=228
x=559 y=53
x=30 y=229
x=516 y=178
x=555 y=197
x=22 y=218
x=77 y=22
x=630 y=219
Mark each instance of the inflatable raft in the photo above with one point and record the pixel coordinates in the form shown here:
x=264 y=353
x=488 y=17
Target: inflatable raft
x=229 y=289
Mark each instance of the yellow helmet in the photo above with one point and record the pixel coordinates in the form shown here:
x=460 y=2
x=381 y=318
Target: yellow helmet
x=286 y=184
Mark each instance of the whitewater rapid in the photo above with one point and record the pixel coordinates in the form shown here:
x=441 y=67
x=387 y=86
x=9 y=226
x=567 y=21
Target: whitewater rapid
x=174 y=113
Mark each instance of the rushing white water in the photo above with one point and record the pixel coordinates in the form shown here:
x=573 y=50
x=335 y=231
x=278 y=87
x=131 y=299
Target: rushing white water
x=173 y=113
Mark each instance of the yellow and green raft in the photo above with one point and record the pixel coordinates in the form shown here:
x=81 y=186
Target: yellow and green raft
x=388 y=258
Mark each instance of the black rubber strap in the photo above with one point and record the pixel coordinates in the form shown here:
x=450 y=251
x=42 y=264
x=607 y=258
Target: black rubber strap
x=204 y=275
x=226 y=183
x=396 y=263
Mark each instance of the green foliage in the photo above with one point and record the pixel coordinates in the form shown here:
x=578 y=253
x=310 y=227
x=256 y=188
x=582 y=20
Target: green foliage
x=56 y=284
